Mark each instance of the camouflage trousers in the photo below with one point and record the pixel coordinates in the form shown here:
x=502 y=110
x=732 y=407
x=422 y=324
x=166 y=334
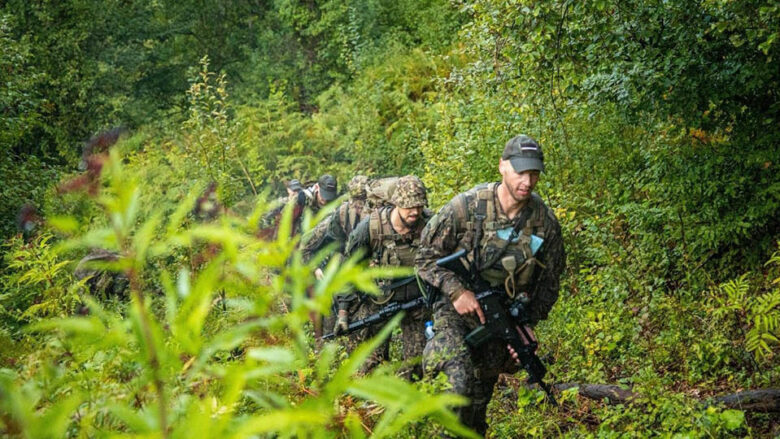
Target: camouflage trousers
x=412 y=339
x=470 y=372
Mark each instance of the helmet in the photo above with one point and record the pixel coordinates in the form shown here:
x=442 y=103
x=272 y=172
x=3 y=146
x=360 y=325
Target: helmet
x=357 y=187
x=409 y=193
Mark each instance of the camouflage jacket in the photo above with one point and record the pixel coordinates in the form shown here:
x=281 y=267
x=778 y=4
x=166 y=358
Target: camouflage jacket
x=453 y=228
x=336 y=227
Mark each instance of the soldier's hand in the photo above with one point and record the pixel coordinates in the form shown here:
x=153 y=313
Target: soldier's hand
x=467 y=303
x=530 y=331
x=342 y=322
x=531 y=334
x=318 y=274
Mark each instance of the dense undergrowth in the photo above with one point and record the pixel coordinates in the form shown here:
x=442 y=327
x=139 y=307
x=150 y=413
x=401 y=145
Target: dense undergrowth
x=659 y=124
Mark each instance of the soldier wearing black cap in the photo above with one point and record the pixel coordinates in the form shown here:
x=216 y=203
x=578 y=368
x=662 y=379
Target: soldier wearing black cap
x=293 y=187
x=326 y=189
x=312 y=198
x=481 y=221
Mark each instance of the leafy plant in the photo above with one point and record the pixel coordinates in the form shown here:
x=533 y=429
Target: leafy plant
x=187 y=376
x=759 y=313
x=37 y=283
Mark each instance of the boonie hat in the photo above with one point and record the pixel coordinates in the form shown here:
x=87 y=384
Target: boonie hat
x=524 y=154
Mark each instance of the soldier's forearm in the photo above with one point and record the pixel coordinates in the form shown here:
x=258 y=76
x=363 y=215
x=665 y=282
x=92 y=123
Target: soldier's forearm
x=452 y=287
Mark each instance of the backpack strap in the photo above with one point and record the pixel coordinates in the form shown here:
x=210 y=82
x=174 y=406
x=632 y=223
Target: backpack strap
x=357 y=211
x=343 y=215
x=479 y=219
x=375 y=229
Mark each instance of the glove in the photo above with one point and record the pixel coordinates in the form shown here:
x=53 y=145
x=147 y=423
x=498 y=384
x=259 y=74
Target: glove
x=342 y=322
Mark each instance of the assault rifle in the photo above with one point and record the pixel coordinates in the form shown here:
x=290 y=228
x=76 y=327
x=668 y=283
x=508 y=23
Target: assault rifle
x=387 y=311
x=502 y=318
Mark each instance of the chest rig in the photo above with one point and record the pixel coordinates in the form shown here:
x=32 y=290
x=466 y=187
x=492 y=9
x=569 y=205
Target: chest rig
x=507 y=259
x=393 y=249
x=390 y=247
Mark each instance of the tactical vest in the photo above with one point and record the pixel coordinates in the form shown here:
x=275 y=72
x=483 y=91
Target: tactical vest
x=393 y=249
x=512 y=264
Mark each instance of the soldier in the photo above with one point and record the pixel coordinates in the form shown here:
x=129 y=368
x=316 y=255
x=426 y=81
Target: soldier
x=313 y=198
x=391 y=236
x=322 y=193
x=336 y=228
x=338 y=225
x=102 y=282
x=480 y=221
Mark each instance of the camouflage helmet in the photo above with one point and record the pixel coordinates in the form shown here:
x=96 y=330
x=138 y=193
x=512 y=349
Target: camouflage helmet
x=409 y=193
x=357 y=187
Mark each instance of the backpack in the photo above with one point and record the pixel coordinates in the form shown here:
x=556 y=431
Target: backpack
x=378 y=193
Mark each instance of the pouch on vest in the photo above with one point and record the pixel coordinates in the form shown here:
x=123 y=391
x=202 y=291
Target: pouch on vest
x=519 y=268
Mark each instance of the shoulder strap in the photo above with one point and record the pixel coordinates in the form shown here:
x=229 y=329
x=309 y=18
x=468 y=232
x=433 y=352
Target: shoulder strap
x=487 y=194
x=375 y=228
x=355 y=213
x=486 y=212
x=479 y=217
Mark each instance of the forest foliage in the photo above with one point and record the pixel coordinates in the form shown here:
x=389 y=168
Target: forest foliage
x=660 y=123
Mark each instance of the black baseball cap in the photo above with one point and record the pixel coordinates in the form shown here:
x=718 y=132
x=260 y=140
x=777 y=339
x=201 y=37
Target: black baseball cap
x=295 y=185
x=524 y=154
x=328 y=187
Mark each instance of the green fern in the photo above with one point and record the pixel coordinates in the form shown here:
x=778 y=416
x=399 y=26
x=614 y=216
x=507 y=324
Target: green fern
x=759 y=313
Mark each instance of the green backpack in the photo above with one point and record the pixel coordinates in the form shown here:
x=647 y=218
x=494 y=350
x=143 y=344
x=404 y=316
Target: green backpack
x=378 y=194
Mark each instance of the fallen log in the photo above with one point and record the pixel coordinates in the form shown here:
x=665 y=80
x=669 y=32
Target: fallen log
x=758 y=401
x=764 y=401
x=614 y=394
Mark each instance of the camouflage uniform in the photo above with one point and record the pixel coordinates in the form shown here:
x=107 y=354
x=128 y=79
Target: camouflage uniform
x=473 y=372
x=379 y=241
x=102 y=282
x=336 y=229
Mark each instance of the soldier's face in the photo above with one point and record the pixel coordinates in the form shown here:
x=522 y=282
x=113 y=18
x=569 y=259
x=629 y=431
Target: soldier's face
x=321 y=201
x=410 y=215
x=519 y=184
